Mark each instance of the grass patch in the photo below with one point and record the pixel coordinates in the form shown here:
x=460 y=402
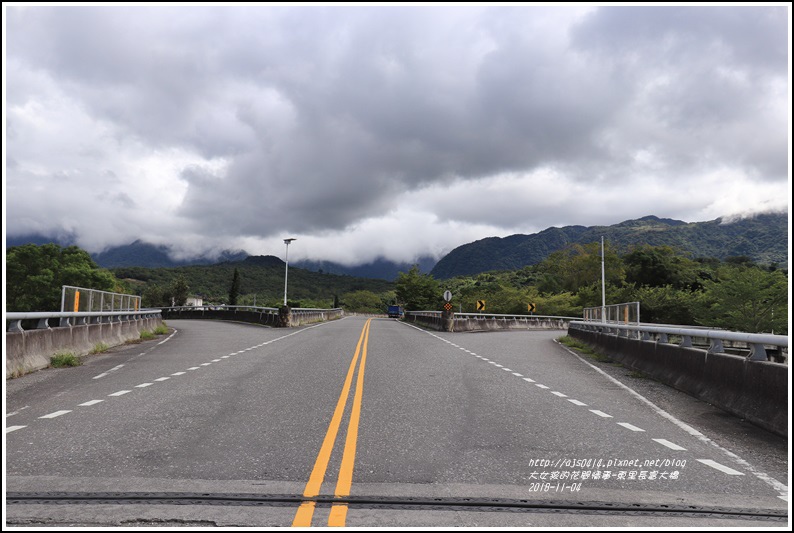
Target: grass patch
x=62 y=359
x=162 y=329
x=99 y=348
x=147 y=335
x=584 y=349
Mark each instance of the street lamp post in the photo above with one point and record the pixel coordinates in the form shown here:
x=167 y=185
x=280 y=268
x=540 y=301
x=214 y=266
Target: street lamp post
x=286 y=268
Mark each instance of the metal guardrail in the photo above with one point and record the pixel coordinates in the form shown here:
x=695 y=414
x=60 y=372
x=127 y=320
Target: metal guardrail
x=265 y=315
x=66 y=319
x=756 y=342
x=271 y=310
x=81 y=299
x=623 y=313
x=491 y=316
x=255 y=309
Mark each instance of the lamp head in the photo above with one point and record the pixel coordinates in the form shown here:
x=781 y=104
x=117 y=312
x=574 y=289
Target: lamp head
x=287 y=241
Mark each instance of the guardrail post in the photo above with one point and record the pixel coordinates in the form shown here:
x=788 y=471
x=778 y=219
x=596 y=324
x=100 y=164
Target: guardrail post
x=716 y=346
x=757 y=352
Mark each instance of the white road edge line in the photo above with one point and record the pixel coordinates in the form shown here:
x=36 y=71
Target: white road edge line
x=720 y=467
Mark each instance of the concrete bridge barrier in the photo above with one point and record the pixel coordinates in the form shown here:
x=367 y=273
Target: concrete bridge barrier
x=748 y=386
x=30 y=350
x=268 y=316
x=441 y=321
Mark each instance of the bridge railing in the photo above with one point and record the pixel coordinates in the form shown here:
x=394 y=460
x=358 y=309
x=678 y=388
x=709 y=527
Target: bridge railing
x=750 y=382
x=30 y=339
x=716 y=339
x=482 y=321
x=248 y=313
x=15 y=321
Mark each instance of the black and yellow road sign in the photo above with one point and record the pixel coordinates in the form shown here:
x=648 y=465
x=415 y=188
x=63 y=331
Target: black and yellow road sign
x=531 y=308
x=480 y=305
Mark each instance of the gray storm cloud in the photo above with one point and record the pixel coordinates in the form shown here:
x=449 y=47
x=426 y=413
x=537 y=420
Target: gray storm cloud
x=250 y=122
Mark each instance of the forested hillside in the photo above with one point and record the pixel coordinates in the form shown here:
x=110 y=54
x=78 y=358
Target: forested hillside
x=763 y=238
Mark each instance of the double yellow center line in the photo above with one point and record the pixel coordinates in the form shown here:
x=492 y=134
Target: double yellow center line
x=303 y=517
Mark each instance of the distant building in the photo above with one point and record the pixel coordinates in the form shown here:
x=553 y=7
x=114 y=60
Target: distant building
x=195 y=300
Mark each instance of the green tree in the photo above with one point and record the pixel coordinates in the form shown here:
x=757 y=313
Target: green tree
x=35 y=276
x=417 y=291
x=155 y=296
x=748 y=299
x=179 y=290
x=666 y=305
x=234 y=291
x=578 y=266
x=658 y=266
x=363 y=302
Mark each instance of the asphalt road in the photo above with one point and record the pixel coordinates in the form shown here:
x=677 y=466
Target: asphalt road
x=224 y=424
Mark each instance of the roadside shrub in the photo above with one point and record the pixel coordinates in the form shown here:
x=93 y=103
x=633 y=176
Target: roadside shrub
x=62 y=359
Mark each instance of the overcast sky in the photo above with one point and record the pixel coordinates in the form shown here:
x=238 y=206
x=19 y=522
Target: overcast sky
x=391 y=131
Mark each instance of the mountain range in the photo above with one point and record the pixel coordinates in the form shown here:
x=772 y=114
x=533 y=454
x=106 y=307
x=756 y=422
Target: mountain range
x=763 y=238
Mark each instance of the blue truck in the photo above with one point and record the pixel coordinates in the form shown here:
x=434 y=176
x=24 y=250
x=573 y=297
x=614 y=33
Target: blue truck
x=395 y=311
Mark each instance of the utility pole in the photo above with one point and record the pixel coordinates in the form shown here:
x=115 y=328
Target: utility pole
x=603 y=285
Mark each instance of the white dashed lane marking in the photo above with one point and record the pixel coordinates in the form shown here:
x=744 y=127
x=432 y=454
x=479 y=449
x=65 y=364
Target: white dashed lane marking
x=178 y=373
x=631 y=427
x=55 y=414
x=103 y=374
x=9 y=429
x=144 y=385
x=120 y=393
x=669 y=444
x=90 y=403
x=162 y=378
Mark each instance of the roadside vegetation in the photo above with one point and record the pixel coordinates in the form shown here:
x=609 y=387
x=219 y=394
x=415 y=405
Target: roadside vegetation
x=99 y=348
x=583 y=348
x=64 y=359
x=672 y=286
